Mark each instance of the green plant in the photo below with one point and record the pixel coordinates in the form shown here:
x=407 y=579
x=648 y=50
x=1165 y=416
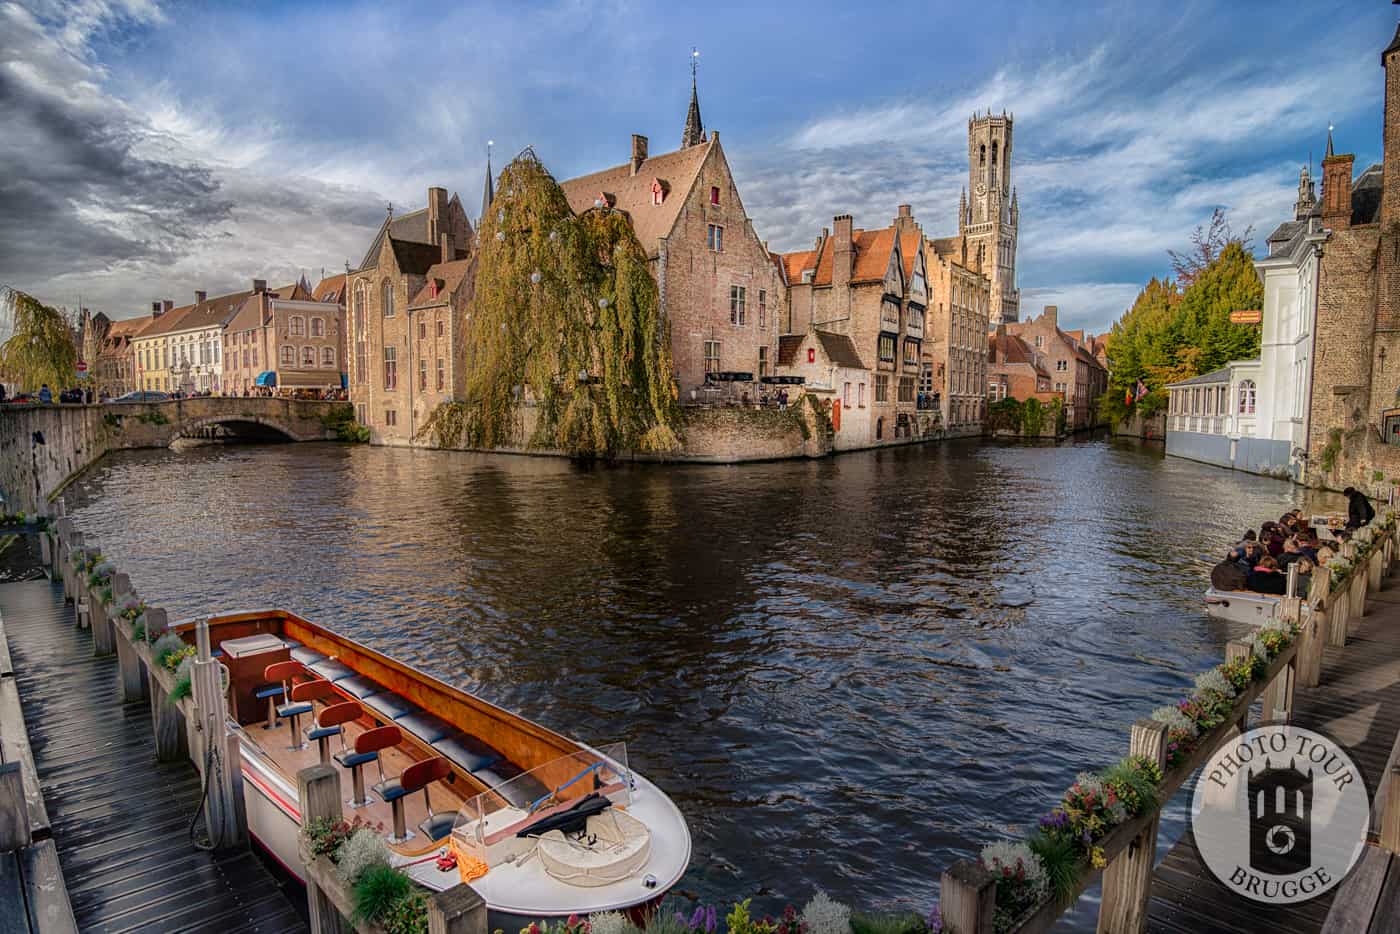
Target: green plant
x=1327 y=459
x=40 y=350
x=376 y=891
x=166 y=645
x=112 y=420
x=1377 y=476
x=822 y=915
x=155 y=417
x=1020 y=880
x=341 y=420
x=408 y=915
x=363 y=848
x=182 y=688
x=887 y=923
x=174 y=658
x=738 y=921
x=1063 y=865
x=1134 y=779
x=324 y=836
x=1032 y=418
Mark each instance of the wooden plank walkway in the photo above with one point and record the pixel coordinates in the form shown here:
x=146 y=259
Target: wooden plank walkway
x=119 y=818
x=1358 y=705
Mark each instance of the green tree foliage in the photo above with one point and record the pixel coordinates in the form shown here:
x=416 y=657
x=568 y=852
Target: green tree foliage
x=1170 y=335
x=566 y=314
x=42 y=350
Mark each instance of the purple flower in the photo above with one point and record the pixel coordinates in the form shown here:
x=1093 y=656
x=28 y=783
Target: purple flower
x=935 y=919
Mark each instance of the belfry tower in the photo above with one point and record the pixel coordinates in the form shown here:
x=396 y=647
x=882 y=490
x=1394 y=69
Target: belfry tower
x=988 y=213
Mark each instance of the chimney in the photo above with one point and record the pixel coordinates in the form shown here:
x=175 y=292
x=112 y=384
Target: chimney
x=906 y=211
x=166 y=305
x=446 y=244
x=259 y=285
x=1001 y=330
x=1053 y=313
x=199 y=296
x=437 y=213
x=1336 y=191
x=156 y=310
x=639 y=152
x=842 y=251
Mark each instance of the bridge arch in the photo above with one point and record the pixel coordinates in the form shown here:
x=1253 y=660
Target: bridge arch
x=242 y=426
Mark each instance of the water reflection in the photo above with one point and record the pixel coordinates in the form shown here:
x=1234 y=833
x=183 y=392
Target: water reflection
x=845 y=671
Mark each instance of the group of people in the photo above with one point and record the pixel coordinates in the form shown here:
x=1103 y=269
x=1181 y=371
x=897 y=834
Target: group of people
x=1260 y=560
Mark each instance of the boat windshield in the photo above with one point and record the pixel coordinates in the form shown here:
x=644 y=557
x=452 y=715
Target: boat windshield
x=501 y=825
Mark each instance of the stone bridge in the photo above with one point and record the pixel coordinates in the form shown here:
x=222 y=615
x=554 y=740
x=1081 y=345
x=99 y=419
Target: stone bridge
x=43 y=446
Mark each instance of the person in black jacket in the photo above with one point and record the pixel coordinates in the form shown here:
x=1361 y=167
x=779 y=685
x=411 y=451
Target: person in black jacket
x=1266 y=578
x=1359 y=511
x=1228 y=575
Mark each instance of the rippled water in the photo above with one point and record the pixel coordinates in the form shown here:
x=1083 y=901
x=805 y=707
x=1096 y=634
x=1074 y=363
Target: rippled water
x=846 y=672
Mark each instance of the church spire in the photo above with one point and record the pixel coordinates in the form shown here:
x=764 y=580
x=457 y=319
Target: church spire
x=1329 y=142
x=488 y=191
x=694 y=129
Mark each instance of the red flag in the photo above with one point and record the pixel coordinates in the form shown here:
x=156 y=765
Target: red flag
x=1128 y=397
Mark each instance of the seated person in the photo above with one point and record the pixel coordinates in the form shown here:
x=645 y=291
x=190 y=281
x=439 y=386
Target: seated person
x=1266 y=578
x=1228 y=574
x=1305 y=569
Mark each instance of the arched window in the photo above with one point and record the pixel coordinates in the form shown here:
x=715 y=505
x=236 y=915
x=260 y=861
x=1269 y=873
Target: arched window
x=982 y=155
x=387 y=300
x=318 y=327
x=308 y=356
x=298 y=326
x=1246 y=397
x=289 y=355
x=327 y=356
x=994 y=152
x=359 y=309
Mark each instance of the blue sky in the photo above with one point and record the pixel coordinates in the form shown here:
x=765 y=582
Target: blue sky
x=153 y=149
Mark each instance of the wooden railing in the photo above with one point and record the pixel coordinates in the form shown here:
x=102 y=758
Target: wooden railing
x=967 y=900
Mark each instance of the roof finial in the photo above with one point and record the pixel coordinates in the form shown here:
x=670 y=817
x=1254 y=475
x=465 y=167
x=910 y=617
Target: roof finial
x=390 y=209
x=1329 y=152
x=694 y=132
x=488 y=189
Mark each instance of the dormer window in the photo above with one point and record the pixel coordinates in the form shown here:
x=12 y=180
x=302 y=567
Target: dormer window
x=657 y=194
x=714 y=194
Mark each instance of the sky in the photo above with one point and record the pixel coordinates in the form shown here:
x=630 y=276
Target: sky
x=150 y=149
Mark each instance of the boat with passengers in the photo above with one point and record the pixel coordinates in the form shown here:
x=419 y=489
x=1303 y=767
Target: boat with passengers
x=541 y=825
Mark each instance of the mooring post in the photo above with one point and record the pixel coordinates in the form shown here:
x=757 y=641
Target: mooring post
x=222 y=811
x=1278 y=696
x=967 y=898
x=318 y=794
x=458 y=910
x=133 y=675
x=1390 y=816
x=1127 y=881
x=104 y=632
x=63 y=530
x=45 y=549
x=75 y=588
x=14 y=809
x=168 y=724
x=1313 y=636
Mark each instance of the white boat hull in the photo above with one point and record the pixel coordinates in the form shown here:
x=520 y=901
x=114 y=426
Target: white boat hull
x=1241 y=606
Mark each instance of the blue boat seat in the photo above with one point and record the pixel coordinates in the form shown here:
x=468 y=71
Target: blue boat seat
x=331 y=670
x=269 y=690
x=438 y=826
x=351 y=759
x=293 y=709
x=520 y=793
x=390 y=706
x=468 y=752
x=391 y=789
x=321 y=732
x=425 y=726
x=306 y=656
x=358 y=686
x=292 y=644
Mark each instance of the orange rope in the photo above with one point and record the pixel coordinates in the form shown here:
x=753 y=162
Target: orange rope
x=468 y=867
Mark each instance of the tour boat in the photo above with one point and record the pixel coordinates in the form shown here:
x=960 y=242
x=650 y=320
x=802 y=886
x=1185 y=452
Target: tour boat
x=1241 y=606
x=541 y=826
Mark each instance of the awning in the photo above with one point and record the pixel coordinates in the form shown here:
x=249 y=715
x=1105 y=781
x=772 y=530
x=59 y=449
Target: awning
x=728 y=376
x=266 y=378
x=308 y=379
x=783 y=380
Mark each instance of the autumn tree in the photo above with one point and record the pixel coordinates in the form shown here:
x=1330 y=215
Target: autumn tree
x=1208 y=241
x=41 y=351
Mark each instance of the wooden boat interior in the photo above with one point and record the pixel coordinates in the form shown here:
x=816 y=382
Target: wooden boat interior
x=481 y=747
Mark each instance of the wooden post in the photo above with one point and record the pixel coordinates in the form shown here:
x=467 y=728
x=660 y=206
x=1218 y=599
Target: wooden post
x=222 y=809
x=74 y=587
x=104 y=635
x=1127 y=881
x=458 y=910
x=63 y=531
x=45 y=549
x=14 y=810
x=967 y=898
x=1236 y=649
x=168 y=724
x=1390 y=817
x=318 y=794
x=1337 y=618
x=133 y=673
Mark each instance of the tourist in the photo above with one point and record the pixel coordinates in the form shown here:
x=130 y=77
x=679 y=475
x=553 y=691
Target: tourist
x=1228 y=574
x=1266 y=578
x=45 y=395
x=1305 y=569
x=1274 y=544
x=1291 y=553
x=1359 y=511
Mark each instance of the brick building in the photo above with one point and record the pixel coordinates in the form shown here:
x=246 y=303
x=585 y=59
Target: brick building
x=398 y=324
x=284 y=340
x=870 y=286
x=990 y=217
x=105 y=346
x=955 y=354
x=1074 y=371
x=1015 y=370
x=720 y=291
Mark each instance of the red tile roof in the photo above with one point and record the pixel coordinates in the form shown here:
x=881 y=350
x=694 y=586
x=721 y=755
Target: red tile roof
x=872 y=256
x=787 y=348
x=676 y=171
x=329 y=289
x=447 y=277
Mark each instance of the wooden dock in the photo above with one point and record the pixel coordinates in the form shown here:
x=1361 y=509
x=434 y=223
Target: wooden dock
x=120 y=819
x=1358 y=705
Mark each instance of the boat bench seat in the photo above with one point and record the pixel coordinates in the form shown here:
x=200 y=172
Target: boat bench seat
x=390 y=706
x=301 y=653
x=520 y=793
x=358 y=687
x=430 y=728
x=331 y=670
x=468 y=752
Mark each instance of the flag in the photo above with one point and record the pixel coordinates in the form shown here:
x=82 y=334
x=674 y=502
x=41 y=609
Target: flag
x=1128 y=397
x=1141 y=390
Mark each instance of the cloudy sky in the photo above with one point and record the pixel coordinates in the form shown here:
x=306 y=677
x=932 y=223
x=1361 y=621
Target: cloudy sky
x=151 y=149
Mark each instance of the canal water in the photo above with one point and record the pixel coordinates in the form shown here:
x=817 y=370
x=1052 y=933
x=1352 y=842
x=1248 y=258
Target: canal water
x=846 y=672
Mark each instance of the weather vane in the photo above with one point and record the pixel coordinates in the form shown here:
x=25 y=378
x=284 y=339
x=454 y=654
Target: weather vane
x=695 y=59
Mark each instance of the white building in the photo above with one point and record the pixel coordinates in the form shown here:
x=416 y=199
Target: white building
x=1252 y=415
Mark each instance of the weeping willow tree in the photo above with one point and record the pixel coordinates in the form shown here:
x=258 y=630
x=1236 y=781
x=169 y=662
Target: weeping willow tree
x=41 y=350
x=565 y=314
